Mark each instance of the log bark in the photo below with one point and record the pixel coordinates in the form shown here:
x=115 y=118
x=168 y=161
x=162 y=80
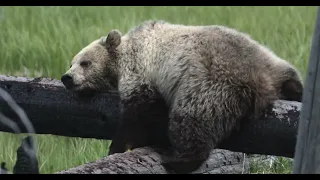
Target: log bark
x=53 y=110
x=148 y=161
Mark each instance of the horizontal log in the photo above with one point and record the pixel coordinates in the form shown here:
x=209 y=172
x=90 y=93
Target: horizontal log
x=148 y=161
x=54 y=110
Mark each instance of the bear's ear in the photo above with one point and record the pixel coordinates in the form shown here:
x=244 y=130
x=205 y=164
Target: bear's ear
x=112 y=40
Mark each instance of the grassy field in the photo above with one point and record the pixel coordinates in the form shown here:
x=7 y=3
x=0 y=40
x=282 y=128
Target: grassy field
x=41 y=41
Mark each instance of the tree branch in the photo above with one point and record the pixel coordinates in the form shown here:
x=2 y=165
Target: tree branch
x=148 y=161
x=53 y=110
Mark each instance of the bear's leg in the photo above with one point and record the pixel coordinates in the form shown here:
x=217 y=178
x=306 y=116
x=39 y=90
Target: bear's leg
x=136 y=99
x=153 y=126
x=121 y=142
x=292 y=90
x=131 y=131
x=200 y=120
x=291 y=87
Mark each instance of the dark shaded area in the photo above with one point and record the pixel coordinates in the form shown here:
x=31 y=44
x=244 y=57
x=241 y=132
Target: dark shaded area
x=54 y=110
x=26 y=162
x=3 y=169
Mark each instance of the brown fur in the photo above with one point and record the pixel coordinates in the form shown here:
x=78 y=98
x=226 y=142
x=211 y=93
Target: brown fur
x=208 y=77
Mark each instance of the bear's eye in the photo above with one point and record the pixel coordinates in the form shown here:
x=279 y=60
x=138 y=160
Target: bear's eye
x=85 y=63
x=70 y=65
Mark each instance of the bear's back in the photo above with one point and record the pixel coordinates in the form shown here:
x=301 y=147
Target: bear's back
x=170 y=53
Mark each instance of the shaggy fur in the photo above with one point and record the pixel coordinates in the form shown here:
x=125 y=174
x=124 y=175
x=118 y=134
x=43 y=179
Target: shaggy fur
x=208 y=77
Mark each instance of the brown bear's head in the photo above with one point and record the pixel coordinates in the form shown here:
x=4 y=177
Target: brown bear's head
x=94 y=68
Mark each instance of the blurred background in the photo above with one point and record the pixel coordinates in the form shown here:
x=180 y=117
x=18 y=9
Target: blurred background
x=41 y=42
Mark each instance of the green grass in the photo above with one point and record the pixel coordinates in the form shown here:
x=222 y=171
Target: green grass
x=41 y=41
x=281 y=165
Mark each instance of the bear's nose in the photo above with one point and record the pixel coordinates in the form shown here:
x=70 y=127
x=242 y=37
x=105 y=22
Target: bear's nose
x=66 y=79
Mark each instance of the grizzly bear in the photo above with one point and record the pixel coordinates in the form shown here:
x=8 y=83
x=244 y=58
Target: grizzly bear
x=206 y=78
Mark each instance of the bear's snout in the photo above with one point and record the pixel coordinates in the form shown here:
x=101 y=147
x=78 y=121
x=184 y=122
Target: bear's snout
x=67 y=80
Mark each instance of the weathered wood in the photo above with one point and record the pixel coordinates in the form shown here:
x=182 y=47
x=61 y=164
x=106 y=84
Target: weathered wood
x=148 y=161
x=274 y=133
x=307 y=157
x=53 y=110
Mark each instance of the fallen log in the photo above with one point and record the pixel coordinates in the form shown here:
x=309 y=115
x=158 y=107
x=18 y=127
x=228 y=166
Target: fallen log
x=53 y=110
x=148 y=161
